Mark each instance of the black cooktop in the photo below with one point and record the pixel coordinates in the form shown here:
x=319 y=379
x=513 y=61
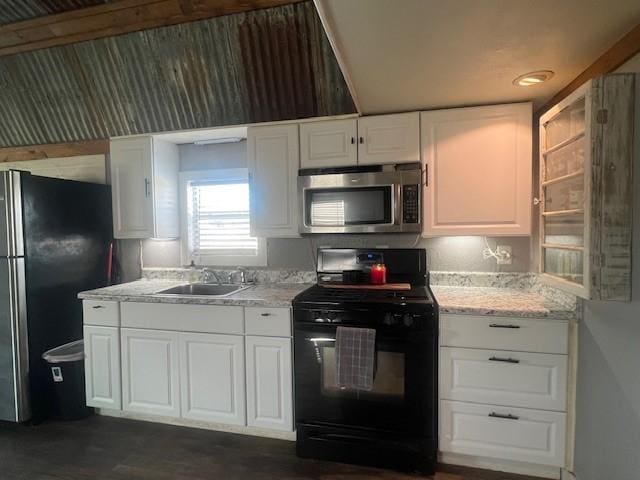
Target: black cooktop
x=326 y=294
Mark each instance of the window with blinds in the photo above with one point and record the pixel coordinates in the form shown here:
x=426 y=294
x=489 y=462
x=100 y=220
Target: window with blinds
x=217 y=217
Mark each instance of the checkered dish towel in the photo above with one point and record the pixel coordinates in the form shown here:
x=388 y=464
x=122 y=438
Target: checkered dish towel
x=355 y=354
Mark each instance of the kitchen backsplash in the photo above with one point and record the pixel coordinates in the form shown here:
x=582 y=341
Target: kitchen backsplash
x=443 y=253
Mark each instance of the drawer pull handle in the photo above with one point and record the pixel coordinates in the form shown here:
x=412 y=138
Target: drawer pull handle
x=499 y=325
x=505 y=360
x=98 y=306
x=265 y=314
x=506 y=417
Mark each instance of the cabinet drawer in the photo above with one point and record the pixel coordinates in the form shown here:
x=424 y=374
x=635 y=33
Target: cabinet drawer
x=504 y=333
x=498 y=377
x=101 y=313
x=270 y=322
x=508 y=433
x=185 y=318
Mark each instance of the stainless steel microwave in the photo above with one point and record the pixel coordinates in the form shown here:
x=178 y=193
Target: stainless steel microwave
x=376 y=199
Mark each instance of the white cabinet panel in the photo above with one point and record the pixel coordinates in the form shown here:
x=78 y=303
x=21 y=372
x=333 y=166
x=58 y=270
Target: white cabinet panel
x=185 y=318
x=479 y=169
x=268 y=321
x=212 y=382
x=328 y=144
x=100 y=312
x=269 y=383
x=504 y=333
x=102 y=367
x=131 y=177
x=508 y=433
x=389 y=139
x=144 y=181
x=530 y=380
x=150 y=372
x=274 y=159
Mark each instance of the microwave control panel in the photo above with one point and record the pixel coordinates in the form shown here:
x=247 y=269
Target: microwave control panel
x=410 y=206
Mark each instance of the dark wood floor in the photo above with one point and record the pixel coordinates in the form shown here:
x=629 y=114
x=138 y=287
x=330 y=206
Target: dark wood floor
x=117 y=449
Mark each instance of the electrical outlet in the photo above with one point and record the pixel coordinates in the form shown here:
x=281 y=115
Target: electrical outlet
x=503 y=252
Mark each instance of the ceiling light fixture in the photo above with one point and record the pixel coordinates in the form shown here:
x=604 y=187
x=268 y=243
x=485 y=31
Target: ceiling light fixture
x=212 y=141
x=533 y=78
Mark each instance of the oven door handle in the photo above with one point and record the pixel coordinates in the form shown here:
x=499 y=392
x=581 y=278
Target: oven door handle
x=319 y=339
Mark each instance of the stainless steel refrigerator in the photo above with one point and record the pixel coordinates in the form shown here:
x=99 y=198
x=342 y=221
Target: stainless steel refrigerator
x=54 y=242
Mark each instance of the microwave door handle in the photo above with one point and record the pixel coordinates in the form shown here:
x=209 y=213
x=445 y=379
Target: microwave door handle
x=397 y=204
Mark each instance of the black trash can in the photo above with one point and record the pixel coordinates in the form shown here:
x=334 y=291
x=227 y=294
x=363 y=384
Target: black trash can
x=66 y=374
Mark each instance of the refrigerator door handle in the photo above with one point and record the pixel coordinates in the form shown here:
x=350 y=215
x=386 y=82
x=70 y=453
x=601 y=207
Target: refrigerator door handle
x=20 y=344
x=13 y=214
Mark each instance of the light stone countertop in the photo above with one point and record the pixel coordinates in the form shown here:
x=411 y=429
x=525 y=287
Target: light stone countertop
x=262 y=295
x=500 y=302
x=452 y=299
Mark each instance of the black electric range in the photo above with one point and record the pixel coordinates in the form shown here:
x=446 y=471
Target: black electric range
x=394 y=424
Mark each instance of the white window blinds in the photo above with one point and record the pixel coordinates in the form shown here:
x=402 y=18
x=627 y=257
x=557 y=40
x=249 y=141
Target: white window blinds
x=218 y=223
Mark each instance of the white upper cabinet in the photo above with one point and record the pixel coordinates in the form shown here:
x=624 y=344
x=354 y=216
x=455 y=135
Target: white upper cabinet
x=586 y=190
x=144 y=179
x=273 y=159
x=329 y=144
x=478 y=164
x=389 y=139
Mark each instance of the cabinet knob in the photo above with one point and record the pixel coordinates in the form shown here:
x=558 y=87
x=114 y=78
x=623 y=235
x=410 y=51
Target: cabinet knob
x=353 y=140
x=98 y=306
x=361 y=140
x=146 y=187
x=536 y=201
x=265 y=314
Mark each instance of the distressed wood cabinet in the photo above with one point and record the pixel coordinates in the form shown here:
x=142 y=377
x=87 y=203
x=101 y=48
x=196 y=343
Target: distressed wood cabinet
x=586 y=156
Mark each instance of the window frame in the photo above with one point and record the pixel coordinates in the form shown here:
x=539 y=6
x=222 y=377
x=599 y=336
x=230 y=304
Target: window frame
x=227 y=174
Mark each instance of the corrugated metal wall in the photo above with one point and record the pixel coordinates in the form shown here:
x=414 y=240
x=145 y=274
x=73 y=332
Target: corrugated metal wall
x=17 y=10
x=266 y=65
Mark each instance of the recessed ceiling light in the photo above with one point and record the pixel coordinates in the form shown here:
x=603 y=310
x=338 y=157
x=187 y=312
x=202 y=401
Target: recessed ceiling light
x=533 y=78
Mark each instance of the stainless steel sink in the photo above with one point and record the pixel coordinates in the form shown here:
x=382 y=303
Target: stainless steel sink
x=203 y=289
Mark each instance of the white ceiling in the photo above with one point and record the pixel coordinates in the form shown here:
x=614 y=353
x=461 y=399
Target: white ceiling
x=424 y=54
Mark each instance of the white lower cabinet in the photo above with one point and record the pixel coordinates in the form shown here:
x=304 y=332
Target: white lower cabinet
x=150 y=372
x=212 y=383
x=102 y=367
x=519 y=379
x=533 y=436
x=269 y=383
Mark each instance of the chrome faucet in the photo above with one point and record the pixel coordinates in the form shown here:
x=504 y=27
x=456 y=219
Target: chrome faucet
x=209 y=274
x=243 y=275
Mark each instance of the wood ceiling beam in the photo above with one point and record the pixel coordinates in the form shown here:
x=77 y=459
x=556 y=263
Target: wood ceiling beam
x=55 y=150
x=117 y=18
x=618 y=54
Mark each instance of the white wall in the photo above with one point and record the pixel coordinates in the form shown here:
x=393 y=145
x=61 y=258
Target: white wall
x=608 y=395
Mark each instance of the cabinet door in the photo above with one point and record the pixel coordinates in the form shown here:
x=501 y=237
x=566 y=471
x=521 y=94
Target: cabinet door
x=212 y=378
x=534 y=436
x=269 y=383
x=150 y=372
x=389 y=139
x=273 y=158
x=479 y=166
x=530 y=380
x=328 y=144
x=131 y=183
x=102 y=367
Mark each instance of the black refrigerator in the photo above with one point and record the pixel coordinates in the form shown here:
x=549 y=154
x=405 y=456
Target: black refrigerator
x=54 y=242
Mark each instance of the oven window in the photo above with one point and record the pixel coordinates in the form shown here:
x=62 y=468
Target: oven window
x=388 y=380
x=349 y=206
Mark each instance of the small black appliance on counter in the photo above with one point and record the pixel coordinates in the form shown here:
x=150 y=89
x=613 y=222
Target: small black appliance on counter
x=394 y=423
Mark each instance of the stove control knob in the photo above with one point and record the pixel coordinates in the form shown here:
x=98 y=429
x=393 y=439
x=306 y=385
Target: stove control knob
x=388 y=319
x=408 y=319
x=331 y=317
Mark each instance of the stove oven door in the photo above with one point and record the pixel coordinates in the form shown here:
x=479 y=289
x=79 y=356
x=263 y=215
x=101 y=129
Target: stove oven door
x=404 y=390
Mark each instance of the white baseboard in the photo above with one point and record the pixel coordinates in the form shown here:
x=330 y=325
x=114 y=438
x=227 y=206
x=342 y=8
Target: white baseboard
x=519 y=468
x=567 y=475
x=182 y=422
